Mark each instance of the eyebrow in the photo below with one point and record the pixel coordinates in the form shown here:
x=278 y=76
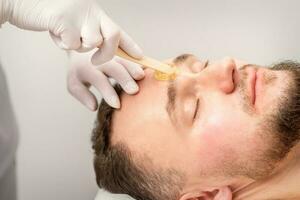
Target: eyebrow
x=172 y=90
x=171 y=102
x=182 y=58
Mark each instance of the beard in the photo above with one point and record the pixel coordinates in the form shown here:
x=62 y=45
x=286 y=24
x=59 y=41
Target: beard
x=280 y=130
x=287 y=120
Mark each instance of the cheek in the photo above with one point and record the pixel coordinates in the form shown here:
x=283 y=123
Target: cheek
x=221 y=134
x=224 y=125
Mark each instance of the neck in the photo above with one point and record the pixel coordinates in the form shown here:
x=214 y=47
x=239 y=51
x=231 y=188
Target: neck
x=283 y=183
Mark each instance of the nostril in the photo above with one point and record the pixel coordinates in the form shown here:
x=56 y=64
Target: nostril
x=234 y=78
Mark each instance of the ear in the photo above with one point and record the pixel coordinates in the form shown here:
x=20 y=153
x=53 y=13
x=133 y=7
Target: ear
x=223 y=193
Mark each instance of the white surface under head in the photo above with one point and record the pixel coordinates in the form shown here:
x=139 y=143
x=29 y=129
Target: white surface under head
x=104 y=195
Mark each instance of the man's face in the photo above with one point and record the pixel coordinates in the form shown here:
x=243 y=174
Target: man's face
x=215 y=121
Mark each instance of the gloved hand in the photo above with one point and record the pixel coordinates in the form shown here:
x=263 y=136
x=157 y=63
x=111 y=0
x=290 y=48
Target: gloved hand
x=83 y=74
x=73 y=24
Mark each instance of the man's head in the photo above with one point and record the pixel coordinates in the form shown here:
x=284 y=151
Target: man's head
x=217 y=125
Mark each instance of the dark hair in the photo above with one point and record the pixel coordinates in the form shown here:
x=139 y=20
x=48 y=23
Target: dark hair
x=117 y=172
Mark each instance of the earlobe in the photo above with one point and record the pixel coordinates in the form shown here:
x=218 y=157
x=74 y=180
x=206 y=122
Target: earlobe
x=224 y=193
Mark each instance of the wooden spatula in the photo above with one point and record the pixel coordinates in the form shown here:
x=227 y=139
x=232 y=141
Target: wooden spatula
x=147 y=62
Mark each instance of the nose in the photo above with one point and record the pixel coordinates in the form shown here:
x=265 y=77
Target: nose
x=221 y=75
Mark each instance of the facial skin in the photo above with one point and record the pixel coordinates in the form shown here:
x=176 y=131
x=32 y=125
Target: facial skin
x=218 y=132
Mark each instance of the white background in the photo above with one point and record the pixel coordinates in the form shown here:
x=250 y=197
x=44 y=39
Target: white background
x=54 y=155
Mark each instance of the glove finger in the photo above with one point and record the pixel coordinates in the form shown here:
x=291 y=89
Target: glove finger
x=128 y=45
x=102 y=84
x=82 y=94
x=135 y=70
x=57 y=40
x=69 y=38
x=119 y=73
x=90 y=34
x=111 y=37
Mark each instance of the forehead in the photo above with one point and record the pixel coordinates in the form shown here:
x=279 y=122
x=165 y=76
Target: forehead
x=143 y=117
x=142 y=111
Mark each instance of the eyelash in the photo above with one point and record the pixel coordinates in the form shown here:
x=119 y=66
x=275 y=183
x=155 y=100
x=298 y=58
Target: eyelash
x=198 y=100
x=196 y=110
x=206 y=64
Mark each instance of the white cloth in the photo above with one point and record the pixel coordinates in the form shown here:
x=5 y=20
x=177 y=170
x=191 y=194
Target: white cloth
x=104 y=195
x=8 y=189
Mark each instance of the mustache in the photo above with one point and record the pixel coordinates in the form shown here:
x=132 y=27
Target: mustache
x=242 y=89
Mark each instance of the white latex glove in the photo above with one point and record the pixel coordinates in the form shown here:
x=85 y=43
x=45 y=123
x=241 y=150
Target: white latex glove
x=73 y=24
x=83 y=74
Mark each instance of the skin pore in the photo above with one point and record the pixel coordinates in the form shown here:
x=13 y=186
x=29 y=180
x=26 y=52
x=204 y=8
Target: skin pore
x=215 y=123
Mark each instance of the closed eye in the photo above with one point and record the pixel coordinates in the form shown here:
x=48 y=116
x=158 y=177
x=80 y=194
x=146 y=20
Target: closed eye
x=206 y=64
x=196 y=110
